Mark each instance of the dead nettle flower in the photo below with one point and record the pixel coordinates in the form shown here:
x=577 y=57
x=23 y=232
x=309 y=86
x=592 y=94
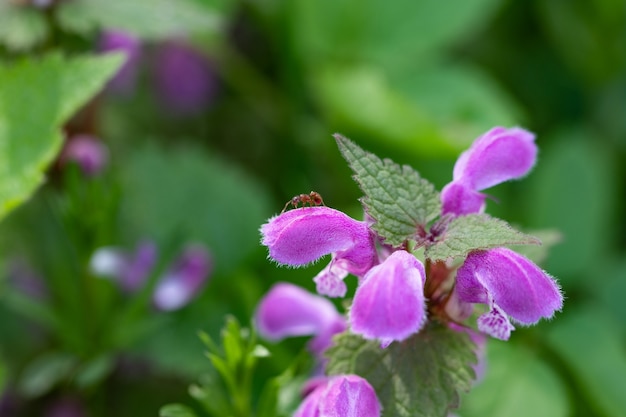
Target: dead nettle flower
x=299 y=237
x=184 y=279
x=88 y=152
x=341 y=396
x=497 y=156
x=511 y=285
x=126 y=78
x=288 y=310
x=399 y=282
x=129 y=269
x=185 y=80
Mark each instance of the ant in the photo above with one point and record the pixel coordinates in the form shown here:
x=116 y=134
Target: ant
x=312 y=199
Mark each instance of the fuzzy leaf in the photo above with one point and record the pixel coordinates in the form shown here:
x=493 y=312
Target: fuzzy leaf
x=147 y=19
x=476 y=231
x=36 y=98
x=420 y=377
x=395 y=196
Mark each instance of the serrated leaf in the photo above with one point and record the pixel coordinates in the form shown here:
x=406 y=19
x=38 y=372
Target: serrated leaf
x=398 y=199
x=21 y=27
x=420 y=377
x=539 y=253
x=36 y=98
x=476 y=231
x=147 y=19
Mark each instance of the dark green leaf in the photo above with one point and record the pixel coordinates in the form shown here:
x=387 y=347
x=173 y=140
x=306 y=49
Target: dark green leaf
x=148 y=19
x=590 y=344
x=396 y=197
x=476 y=231
x=517 y=384
x=420 y=377
x=36 y=98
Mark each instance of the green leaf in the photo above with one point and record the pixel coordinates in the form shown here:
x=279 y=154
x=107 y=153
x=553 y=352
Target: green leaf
x=539 y=253
x=94 y=371
x=176 y=410
x=517 y=384
x=222 y=206
x=475 y=231
x=43 y=373
x=590 y=345
x=420 y=377
x=396 y=196
x=21 y=27
x=147 y=19
x=36 y=98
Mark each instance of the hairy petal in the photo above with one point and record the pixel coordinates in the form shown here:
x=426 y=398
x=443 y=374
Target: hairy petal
x=495 y=323
x=349 y=396
x=288 y=310
x=298 y=237
x=389 y=304
x=460 y=199
x=515 y=284
x=497 y=156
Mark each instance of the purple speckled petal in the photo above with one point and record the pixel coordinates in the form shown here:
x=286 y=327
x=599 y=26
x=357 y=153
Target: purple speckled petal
x=288 y=310
x=329 y=281
x=516 y=285
x=497 y=156
x=301 y=236
x=389 y=304
x=495 y=323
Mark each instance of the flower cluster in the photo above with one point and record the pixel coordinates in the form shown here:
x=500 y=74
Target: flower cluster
x=397 y=292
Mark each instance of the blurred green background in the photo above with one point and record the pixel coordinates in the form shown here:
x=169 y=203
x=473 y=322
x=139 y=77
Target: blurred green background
x=416 y=81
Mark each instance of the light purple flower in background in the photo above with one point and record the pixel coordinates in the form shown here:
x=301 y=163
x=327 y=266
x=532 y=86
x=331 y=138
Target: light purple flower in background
x=22 y=276
x=126 y=78
x=341 y=396
x=301 y=236
x=88 y=152
x=184 y=279
x=389 y=303
x=288 y=310
x=66 y=407
x=497 y=156
x=511 y=285
x=129 y=269
x=184 y=78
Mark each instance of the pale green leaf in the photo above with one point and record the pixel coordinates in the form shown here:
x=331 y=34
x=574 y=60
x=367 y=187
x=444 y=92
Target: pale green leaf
x=475 y=231
x=36 y=98
x=147 y=19
x=396 y=197
x=589 y=343
x=44 y=373
x=517 y=383
x=539 y=253
x=420 y=377
x=176 y=410
x=21 y=27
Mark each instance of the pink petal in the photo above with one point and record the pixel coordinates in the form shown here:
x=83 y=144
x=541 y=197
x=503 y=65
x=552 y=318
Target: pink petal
x=301 y=236
x=288 y=310
x=389 y=304
x=497 y=156
x=349 y=396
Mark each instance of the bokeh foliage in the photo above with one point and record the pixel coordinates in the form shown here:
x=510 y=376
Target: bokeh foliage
x=416 y=81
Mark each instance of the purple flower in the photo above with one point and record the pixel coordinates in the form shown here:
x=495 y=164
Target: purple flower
x=497 y=156
x=342 y=396
x=511 y=285
x=130 y=270
x=288 y=310
x=185 y=80
x=184 y=279
x=126 y=77
x=299 y=237
x=389 y=303
x=88 y=152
